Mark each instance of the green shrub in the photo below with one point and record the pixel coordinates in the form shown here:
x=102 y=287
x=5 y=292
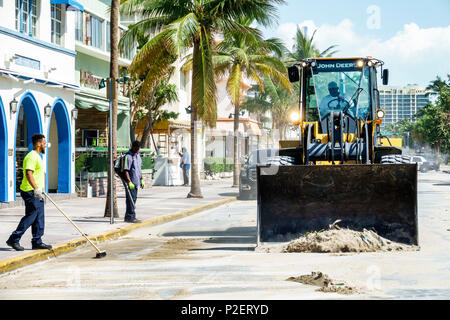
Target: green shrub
x=97 y=164
x=92 y=163
x=80 y=163
x=218 y=165
x=147 y=163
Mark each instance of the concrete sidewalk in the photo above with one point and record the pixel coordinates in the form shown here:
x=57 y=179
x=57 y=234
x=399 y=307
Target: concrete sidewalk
x=155 y=205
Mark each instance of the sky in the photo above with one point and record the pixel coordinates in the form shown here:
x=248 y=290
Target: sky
x=411 y=37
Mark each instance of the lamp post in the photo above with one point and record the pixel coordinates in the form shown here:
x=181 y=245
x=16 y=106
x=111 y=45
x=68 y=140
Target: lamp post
x=109 y=89
x=111 y=160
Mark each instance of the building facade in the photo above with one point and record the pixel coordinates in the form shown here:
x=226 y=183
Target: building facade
x=401 y=103
x=92 y=62
x=219 y=141
x=37 y=90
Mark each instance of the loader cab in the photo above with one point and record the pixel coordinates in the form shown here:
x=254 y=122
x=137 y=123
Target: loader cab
x=339 y=101
x=335 y=86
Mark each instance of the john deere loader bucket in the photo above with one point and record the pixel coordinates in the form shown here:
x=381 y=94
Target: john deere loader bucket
x=293 y=200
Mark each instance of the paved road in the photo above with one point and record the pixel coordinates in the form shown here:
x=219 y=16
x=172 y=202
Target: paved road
x=212 y=256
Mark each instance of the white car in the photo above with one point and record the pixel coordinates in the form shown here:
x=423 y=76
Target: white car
x=423 y=164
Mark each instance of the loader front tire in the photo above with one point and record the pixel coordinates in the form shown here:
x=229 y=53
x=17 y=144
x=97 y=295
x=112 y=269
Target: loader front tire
x=395 y=159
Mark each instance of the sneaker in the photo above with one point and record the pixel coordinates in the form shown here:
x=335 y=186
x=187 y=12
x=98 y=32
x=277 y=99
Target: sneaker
x=15 y=245
x=41 y=246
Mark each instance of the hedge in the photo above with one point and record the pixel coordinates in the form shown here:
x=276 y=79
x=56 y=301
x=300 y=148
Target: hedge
x=100 y=164
x=218 y=165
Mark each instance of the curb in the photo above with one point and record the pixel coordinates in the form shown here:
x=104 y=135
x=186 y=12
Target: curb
x=39 y=255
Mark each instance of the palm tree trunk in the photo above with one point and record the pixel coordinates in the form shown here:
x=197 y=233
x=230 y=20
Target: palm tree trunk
x=146 y=133
x=114 y=72
x=195 y=178
x=236 y=168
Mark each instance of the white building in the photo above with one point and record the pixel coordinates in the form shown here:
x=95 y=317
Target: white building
x=402 y=103
x=37 y=89
x=220 y=140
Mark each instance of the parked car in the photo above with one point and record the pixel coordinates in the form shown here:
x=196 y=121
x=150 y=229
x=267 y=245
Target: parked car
x=423 y=164
x=248 y=175
x=434 y=162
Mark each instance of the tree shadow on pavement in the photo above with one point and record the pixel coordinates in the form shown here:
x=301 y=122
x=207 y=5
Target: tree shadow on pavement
x=226 y=249
x=231 y=236
x=229 y=194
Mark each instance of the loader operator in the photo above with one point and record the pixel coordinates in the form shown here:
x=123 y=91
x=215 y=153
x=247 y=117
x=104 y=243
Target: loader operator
x=335 y=102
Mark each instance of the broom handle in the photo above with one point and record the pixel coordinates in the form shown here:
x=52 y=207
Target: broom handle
x=60 y=210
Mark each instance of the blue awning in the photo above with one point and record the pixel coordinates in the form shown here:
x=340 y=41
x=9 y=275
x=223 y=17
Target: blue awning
x=71 y=3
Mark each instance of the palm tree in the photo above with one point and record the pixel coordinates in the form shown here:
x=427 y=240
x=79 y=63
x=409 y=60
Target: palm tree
x=276 y=100
x=181 y=25
x=162 y=94
x=114 y=75
x=437 y=86
x=244 y=57
x=304 y=48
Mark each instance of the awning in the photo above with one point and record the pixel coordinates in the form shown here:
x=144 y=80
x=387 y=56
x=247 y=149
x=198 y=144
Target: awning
x=164 y=126
x=53 y=84
x=123 y=117
x=71 y=3
x=100 y=104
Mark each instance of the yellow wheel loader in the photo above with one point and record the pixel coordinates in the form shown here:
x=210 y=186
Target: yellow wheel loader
x=338 y=169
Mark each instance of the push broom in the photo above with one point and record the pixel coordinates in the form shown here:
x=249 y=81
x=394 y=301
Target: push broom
x=100 y=254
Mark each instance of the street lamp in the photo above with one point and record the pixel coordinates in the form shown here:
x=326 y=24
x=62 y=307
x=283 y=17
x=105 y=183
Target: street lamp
x=48 y=110
x=102 y=84
x=13 y=105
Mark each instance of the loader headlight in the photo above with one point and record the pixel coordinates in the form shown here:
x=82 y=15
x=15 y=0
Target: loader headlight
x=295 y=117
x=380 y=114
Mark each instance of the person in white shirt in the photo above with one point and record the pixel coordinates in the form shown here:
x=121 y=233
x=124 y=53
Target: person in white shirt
x=334 y=101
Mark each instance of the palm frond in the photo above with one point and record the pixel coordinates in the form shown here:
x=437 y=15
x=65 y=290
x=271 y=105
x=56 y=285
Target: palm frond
x=161 y=67
x=234 y=84
x=275 y=75
x=184 y=30
x=161 y=43
x=222 y=65
x=204 y=87
x=144 y=27
x=262 y=11
x=328 y=52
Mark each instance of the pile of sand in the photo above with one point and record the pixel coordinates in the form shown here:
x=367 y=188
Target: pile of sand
x=345 y=240
x=324 y=283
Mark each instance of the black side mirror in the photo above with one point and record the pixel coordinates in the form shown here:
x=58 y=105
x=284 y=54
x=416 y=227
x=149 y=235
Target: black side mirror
x=294 y=74
x=385 y=77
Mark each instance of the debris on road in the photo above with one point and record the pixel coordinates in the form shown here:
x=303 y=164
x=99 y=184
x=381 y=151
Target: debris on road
x=174 y=248
x=325 y=283
x=344 y=240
